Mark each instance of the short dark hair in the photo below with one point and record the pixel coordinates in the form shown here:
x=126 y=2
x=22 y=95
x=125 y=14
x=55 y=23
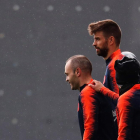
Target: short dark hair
x=108 y=27
x=82 y=62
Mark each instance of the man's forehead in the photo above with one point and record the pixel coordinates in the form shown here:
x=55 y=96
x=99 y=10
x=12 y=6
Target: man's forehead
x=68 y=64
x=98 y=33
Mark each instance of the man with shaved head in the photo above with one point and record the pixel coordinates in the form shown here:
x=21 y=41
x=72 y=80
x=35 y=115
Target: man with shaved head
x=94 y=112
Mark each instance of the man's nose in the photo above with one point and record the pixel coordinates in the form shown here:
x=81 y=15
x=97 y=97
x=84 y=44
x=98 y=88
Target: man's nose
x=94 y=43
x=66 y=79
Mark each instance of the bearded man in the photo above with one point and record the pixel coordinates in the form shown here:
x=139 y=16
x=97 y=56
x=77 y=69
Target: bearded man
x=107 y=37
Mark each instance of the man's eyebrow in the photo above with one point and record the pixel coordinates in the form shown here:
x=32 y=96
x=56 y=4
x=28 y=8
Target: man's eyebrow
x=96 y=37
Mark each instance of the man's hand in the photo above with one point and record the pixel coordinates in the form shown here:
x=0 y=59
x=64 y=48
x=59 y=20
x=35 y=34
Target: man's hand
x=96 y=85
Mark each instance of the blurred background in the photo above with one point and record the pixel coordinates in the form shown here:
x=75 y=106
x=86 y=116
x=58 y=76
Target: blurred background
x=36 y=38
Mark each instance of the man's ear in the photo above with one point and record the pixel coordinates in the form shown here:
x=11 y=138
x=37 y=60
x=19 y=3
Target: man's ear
x=78 y=72
x=111 y=40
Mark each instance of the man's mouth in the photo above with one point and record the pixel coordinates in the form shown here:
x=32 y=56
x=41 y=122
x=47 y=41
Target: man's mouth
x=97 y=48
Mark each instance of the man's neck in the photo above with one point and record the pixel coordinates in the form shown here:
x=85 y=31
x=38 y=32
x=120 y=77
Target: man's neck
x=111 y=52
x=84 y=80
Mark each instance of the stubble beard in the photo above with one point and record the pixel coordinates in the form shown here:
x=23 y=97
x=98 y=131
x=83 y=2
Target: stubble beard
x=74 y=85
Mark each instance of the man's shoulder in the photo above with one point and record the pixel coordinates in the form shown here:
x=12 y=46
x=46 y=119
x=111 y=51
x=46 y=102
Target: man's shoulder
x=89 y=94
x=88 y=91
x=132 y=93
x=128 y=96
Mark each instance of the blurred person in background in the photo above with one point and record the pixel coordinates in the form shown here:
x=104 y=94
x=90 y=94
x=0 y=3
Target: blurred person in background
x=94 y=112
x=128 y=106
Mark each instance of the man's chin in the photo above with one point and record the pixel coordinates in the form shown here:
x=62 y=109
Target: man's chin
x=100 y=54
x=73 y=88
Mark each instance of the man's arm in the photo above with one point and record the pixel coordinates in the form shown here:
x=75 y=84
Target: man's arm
x=107 y=92
x=99 y=87
x=90 y=114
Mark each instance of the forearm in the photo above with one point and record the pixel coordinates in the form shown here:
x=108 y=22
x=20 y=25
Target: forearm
x=109 y=93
